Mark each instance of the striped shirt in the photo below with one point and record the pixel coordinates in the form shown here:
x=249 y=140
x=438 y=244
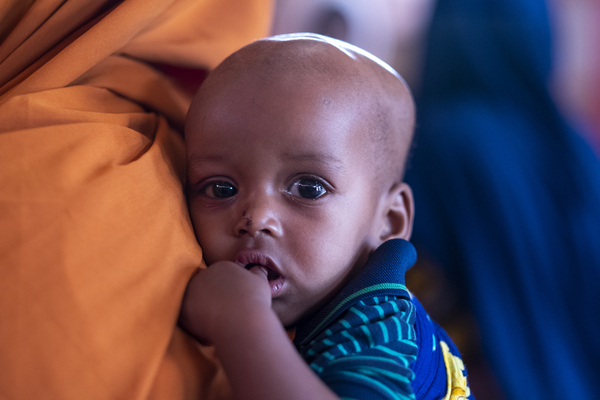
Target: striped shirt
x=365 y=343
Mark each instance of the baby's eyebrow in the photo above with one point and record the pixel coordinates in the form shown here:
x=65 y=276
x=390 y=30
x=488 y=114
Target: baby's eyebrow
x=321 y=158
x=324 y=159
x=200 y=158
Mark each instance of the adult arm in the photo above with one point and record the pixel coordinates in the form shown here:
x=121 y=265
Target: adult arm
x=96 y=246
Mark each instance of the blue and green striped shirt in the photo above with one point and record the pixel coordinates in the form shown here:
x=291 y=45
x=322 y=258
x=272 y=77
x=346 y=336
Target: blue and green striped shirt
x=373 y=341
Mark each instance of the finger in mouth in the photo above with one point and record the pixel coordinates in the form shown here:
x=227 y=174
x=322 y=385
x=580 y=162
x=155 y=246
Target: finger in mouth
x=271 y=275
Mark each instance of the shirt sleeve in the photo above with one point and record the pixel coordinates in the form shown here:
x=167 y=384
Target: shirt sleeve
x=367 y=353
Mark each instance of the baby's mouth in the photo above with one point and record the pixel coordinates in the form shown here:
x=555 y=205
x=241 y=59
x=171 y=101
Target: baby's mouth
x=271 y=275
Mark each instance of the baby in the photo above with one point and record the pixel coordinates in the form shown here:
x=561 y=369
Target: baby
x=296 y=148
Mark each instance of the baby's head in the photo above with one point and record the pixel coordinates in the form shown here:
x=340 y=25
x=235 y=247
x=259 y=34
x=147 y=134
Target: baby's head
x=296 y=148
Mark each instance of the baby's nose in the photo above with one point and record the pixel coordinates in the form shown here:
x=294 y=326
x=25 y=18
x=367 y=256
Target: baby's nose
x=259 y=218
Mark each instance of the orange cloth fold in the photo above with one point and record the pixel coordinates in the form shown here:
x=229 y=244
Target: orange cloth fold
x=96 y=245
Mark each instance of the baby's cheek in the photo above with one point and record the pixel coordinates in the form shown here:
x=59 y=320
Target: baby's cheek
x=211 y=251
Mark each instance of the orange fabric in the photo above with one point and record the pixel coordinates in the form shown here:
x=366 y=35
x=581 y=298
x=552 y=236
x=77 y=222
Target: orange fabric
x=96 y=245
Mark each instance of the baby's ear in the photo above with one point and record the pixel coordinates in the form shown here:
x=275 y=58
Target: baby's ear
x=398 y=213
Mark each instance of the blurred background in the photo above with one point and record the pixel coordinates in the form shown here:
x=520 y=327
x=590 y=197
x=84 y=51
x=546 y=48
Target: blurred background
x=396 y=31
x=505 y=173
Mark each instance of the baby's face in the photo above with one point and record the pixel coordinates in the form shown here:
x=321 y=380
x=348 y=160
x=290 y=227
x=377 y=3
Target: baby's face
x=278 y=175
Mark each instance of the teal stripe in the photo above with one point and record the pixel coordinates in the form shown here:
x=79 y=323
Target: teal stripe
x=401 y=356
x=362 y=316
x=386 y=373
x=398 y=327
x=367 y=333
x=380 y=311
x=384 y=332
x=328 y=342
x=395 y=286
x=316 y=367
x=395 y=307
x=354 y=357
x=342 y=349
x=354 y=341
x=345 y=323
x=434 y=343
x=412 y=310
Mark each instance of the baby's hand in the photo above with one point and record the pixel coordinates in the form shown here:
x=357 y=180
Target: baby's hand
x=222 y=297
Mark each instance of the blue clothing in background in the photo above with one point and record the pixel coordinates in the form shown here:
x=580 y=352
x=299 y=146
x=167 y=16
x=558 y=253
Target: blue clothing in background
x=507 y=196
x=372 y=341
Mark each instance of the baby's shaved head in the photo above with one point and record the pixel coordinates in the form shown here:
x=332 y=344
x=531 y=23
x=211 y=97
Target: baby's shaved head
x=368 y=87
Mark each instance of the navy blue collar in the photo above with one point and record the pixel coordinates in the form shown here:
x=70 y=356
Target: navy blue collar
x=383 y=274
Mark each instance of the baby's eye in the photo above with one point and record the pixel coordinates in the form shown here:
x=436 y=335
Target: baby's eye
x=307 y=188
x=219 y=190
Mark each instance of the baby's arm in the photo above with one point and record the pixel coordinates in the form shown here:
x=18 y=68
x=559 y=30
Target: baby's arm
x=230 y=307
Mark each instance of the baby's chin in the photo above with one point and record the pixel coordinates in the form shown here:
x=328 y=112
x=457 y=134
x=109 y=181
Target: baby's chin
x=289 y=318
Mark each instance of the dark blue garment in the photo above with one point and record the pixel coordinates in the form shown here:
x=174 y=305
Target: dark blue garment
x=507 y=196
x=372 y=341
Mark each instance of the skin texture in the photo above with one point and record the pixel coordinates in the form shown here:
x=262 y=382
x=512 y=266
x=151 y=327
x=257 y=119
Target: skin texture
x=287 y=143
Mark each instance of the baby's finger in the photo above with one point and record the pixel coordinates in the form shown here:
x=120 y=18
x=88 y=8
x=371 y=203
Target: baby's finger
x=260 y=271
